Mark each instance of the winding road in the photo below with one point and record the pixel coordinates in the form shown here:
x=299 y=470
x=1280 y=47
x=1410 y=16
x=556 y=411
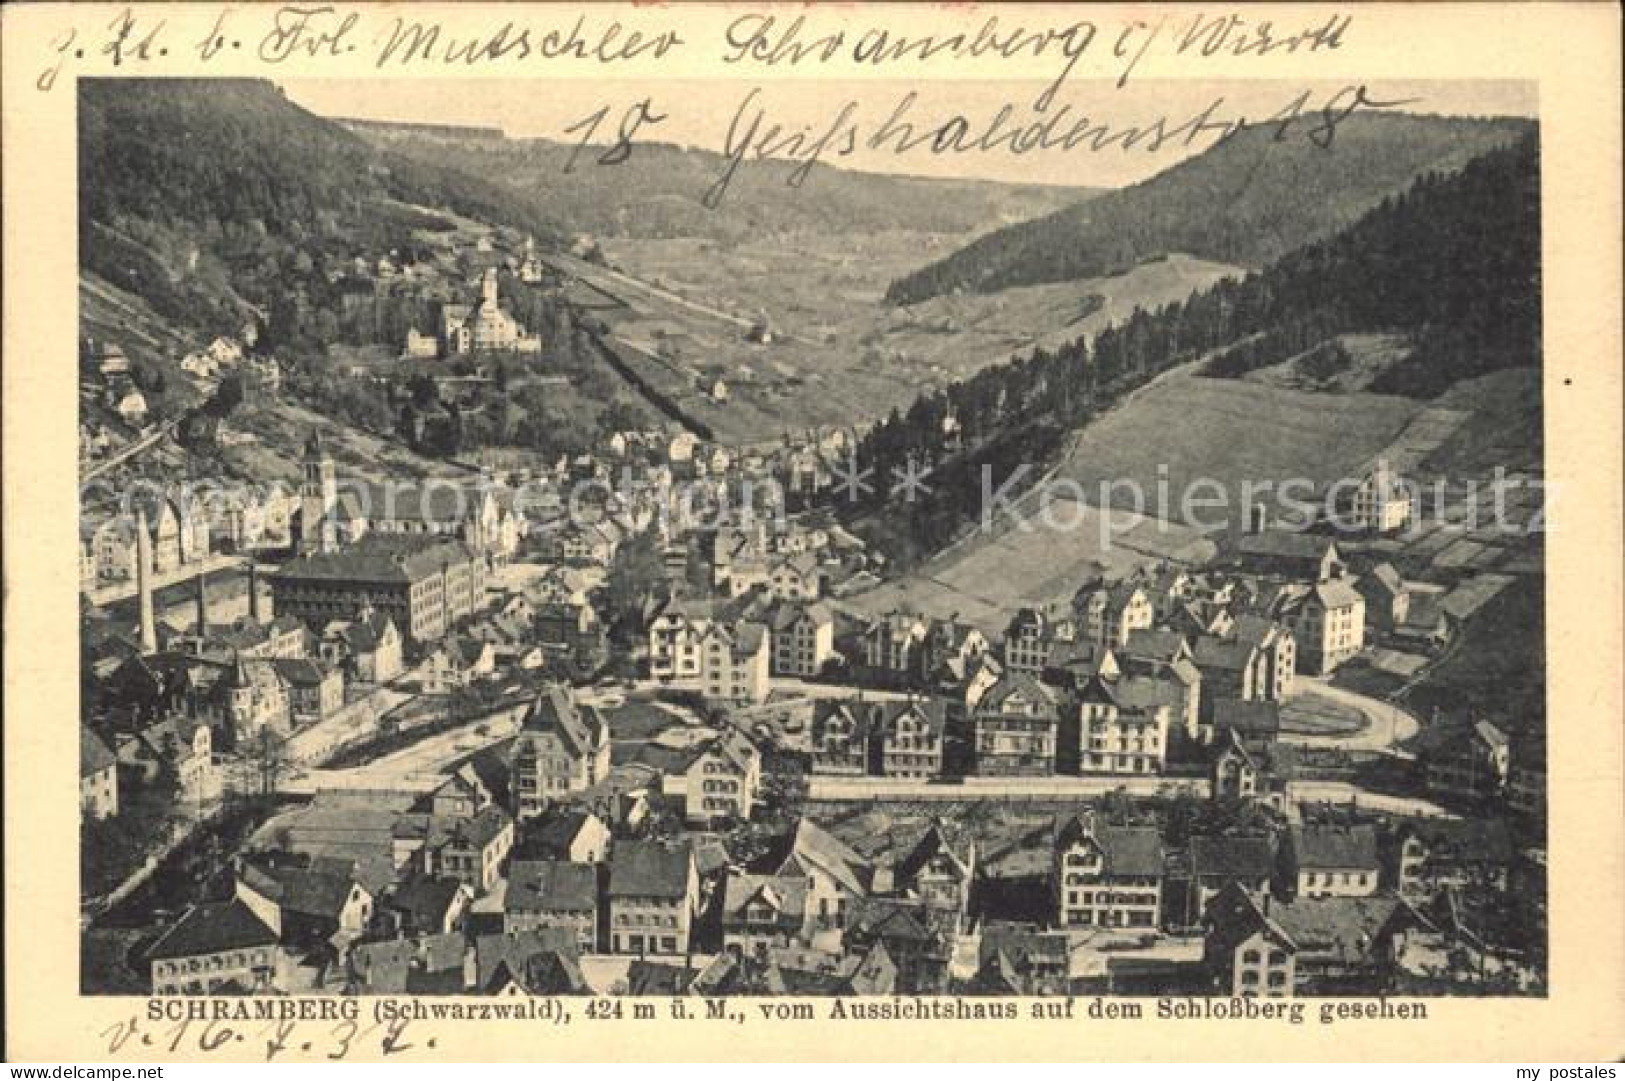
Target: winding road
x=1387 y=725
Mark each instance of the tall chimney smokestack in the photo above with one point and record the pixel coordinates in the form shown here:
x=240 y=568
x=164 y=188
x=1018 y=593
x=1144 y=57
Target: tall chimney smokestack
x=253 y=590
x=143 y=583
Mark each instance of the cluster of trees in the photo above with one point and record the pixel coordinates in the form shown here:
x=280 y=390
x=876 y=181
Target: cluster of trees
x=1249 y=200
x=1454 y=263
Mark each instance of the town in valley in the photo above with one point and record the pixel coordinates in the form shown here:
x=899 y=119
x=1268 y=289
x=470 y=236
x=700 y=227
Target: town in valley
x=496 y=583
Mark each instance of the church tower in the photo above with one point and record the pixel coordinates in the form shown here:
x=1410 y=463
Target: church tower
x=488 y=288
x=318 y=495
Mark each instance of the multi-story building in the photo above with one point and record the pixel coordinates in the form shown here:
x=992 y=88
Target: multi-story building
x=734 y=662
x=1123 y=726
x=423 y=584
x=839 y=734
x=1278 y=649
x=562 y=748
x=1027 y=642
x=894 y=645
x=1469 y=761
x=1112 y=613
x=760 y=912
x=1107 y=876
x=1016 y=726
x=722 y=779
x=1333 y=861
x=215 y=948
x=1328 y=621
x=906 y=737
x=1382 y=502
x=803 y=639
x=315 y=688
x=553 y=893
x=653 y=893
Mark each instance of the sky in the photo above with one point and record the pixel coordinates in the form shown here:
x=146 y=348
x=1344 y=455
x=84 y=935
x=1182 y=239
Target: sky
x=700 y=113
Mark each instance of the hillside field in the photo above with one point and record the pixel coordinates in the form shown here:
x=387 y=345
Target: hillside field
x=839 y=355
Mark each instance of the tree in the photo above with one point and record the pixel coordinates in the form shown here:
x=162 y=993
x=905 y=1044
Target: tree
x=635 y=573
x=268 y=756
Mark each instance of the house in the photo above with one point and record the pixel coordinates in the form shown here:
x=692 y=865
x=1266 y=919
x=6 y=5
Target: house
x=1426 y=856
x=803 y=639
x=561 y=748
x=1015 y=959
x=572 y=835
x=1382 y=501
x=306 y=902
x=215 y=948
x=428 y=905
x=951 y=647
x=470 y=850
x=919 y=940
x=1235 y=771
x=553 y=893
x=893 y=645
x=1123 y=725
x=652 y=896
x=837 y=877
x=1278 y=647
x=368 y=647
x=722 y=779
x=1216 y=862
x=734 y=662
x=462 y=795
x=1295 y=556
x=572 y=630
x=1387 y=599
x=763 y=911
x=906 y=737
x=795 y=578
x=1015 y=728
x=1232 y=668
x=1246 y=953
x=1256 y=724
x=934 y=870
x=839 y=736
x=1027 y=642
x=540 y=962
x=422 y=965
x=98 y=776
x=1468 y=761
x=675 y=636
x=1328 y=621
x=1110 y=614
x=185 y=747
x=130 y=404
x=1107 y=876
x=315 y=689
x=1332 y=861
x=1311 y=945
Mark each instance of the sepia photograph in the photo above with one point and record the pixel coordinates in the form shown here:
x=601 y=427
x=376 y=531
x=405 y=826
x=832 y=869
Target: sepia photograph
x=728 y=534
x=768 y=571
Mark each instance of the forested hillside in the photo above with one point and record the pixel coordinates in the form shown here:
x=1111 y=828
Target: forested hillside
x=200 y=195
x=1246 y=201
x=657 y=191
x=1452 y=266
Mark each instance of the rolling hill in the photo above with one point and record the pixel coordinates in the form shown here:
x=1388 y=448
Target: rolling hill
x=656 y=193
x=1246 y=201
x=195 y=193
x=1447 y=273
